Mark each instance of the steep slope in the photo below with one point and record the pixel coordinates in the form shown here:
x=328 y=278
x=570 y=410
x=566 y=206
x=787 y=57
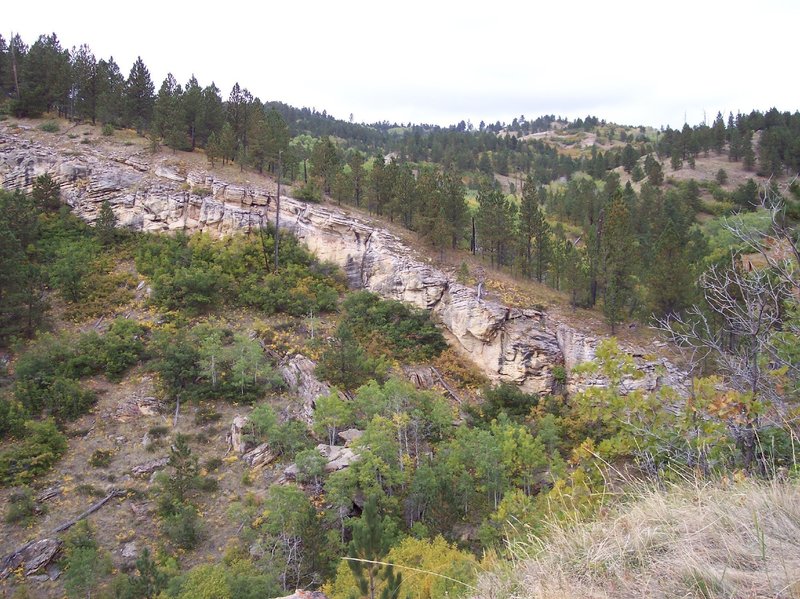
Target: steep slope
x=147 y=193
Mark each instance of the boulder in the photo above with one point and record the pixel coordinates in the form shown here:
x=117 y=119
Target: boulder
x=260 y=456
x=236 y=437
x=298 y=374
x=350 y=435
x=150 y=467
x=299 y=594
x=32 y=558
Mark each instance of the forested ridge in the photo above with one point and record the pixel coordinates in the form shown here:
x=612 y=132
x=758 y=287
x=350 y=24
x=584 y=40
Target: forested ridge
x=447 y=479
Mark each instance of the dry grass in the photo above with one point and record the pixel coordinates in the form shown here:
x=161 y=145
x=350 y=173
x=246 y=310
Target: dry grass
x=692 y=540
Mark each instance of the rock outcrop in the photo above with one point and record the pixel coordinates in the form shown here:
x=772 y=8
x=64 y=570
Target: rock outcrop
x=31 y=558
x=149 y=194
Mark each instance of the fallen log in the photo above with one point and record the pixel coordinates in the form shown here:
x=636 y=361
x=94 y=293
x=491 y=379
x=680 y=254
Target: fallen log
x=92 y=509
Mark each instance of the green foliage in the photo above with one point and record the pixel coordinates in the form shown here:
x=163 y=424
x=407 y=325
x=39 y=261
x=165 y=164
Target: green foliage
x=345 y=364
x=72 y=267
x=21 y=507
x=505 y=399
x=233 y=579
x=190 y=274
x=49 y=127
x=106 y=224
x=331 y=415
x=47 y=372
x=310 y=466
x=392 y=328
x=372 y=538
x=46 y=193
x=183 y=527
x=146 y=582
x=85 y=564
x=101 y=458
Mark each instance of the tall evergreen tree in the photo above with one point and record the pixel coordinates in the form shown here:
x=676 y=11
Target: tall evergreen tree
x=494 y=222
x=139 y=97
x=84 y=84
x=110 y=93
x=371 y=542
x=618 y=257
x=454 y=207
x=45 y=80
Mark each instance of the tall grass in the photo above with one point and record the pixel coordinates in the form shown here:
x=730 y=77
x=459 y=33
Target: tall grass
x=696 y=539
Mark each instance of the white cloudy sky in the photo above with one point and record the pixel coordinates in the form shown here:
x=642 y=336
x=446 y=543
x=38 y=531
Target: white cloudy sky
x=633 y=62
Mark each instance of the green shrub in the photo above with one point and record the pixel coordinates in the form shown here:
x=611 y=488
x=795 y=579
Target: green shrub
x=42 y=446
x=182 y=527
x=388 y=326
x=309 y=192
x=157 y=432
x=12 y=417
x=101 y=458
x=108 y=130
x=49 y=127
x=191 y=274
x=84 y=563
x=207 y=415
x=61 y=397
x=212 y=464
x=22 y=509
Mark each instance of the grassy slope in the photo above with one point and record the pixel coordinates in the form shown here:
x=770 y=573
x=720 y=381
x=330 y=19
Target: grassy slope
x=726 y=539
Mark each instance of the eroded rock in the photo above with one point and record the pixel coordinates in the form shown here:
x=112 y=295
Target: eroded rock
x=32 y=558
x=259 y=456
x=509 y=345
x=150 y=467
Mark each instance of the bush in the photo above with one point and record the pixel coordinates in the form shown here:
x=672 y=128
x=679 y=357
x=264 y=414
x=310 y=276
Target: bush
x=182 y=527
x=62 y=397
x=49 y=127
x=42 y=446
x=391 y=327
x=108 y=130
x=12 y=417
x=21 y=507
x=101 y=458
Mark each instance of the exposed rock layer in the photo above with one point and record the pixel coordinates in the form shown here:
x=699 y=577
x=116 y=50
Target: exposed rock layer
x=148 y=194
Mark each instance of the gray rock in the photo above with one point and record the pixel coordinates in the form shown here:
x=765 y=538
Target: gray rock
x=31 y=558
x=150 y=467
x=130 y=550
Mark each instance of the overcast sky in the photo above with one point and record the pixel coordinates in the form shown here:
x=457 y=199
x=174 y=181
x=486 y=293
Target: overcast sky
x=632 y=62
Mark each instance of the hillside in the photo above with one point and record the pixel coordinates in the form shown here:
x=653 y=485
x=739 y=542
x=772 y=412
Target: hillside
x=250 y=338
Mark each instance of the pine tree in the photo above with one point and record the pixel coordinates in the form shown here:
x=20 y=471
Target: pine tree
x=670 y=277
x=356 y=163
x=46 y=193
x=192 y=110
x=139 y=97
x=169 y=117
x=371 y=542
x=110 y=93
x=494 y=223
x=618 y=257
x=84 y=84
x=45 y=78
x=325 y=162
x=629 y=158
x=106 y=224
x=227 y=143
x=454 y=207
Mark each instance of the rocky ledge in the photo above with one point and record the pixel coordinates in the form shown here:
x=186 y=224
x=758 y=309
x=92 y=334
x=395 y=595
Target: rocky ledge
x=147 y=193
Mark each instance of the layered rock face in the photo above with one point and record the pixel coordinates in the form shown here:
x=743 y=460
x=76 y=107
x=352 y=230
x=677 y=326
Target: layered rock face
x=147 y=194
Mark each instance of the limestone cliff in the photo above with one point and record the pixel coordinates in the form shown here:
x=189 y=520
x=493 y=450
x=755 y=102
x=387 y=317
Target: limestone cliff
x=148 y=194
